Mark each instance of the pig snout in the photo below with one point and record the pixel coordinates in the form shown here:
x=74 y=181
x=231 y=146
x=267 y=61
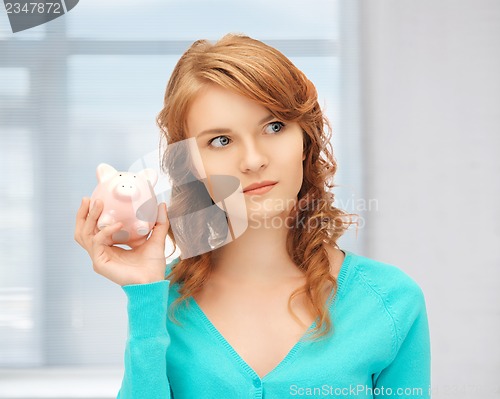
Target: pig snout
x=126 y=189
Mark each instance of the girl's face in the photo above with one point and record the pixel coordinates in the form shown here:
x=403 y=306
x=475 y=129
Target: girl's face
x=239 y=137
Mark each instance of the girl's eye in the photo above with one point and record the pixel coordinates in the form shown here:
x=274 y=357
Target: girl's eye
x=221 y=140
x=276 y=127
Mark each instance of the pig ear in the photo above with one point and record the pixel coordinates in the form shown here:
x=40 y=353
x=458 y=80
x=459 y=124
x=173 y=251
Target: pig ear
x=105 y=172
x=150 y=174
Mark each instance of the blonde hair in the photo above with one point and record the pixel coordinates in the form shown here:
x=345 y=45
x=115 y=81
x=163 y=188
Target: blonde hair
x=259 y=72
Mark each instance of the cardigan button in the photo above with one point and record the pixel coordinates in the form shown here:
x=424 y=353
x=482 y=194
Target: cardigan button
x=257 y=383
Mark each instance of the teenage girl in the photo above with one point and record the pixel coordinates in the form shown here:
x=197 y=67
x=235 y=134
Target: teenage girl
x=280 y=311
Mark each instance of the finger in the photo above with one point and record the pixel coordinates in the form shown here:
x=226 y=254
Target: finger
x=101 y=255
x=162 y=225
x=81 y=216
x=91 y=221
x=102 y=240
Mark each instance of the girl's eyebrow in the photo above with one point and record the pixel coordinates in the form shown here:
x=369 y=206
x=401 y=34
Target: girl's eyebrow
x=226 y=130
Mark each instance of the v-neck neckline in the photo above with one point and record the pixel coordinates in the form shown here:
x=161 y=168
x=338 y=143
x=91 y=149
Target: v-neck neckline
x=291 y=354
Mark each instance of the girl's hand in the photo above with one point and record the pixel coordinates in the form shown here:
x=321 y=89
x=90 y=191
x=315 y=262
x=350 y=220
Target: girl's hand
x=144 y=263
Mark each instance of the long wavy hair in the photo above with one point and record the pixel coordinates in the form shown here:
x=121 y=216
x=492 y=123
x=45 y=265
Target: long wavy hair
x=261 y=73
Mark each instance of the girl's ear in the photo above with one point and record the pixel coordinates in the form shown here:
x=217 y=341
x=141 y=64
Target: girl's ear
x=105 y=172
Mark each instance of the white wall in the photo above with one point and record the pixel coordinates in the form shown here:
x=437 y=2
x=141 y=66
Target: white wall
x=431 y=133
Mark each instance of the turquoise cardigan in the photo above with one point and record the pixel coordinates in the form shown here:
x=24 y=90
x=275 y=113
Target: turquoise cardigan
x=380 y=346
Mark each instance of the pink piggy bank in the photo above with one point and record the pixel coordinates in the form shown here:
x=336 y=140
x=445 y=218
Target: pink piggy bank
x=128 y=198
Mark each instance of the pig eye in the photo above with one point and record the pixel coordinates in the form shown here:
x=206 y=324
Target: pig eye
x=120 y=175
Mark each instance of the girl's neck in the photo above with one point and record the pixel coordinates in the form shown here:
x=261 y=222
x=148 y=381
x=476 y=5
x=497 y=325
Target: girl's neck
x=258 y=256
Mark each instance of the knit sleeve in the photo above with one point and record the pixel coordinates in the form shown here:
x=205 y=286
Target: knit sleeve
x=145 y=373
x=408 y=374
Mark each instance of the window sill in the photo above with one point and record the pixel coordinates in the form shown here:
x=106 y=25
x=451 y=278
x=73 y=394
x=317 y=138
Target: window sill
x=60 y=382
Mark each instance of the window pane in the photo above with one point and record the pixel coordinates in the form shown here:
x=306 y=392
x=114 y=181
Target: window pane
x=20 y=322
x=189 y=20
x=14 y=82
x=114 y=101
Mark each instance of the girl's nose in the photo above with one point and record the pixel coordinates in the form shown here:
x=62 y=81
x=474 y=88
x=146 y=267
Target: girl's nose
x=253 y=158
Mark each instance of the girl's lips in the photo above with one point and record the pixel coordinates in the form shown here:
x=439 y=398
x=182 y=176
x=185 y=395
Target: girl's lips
x=260 y=190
